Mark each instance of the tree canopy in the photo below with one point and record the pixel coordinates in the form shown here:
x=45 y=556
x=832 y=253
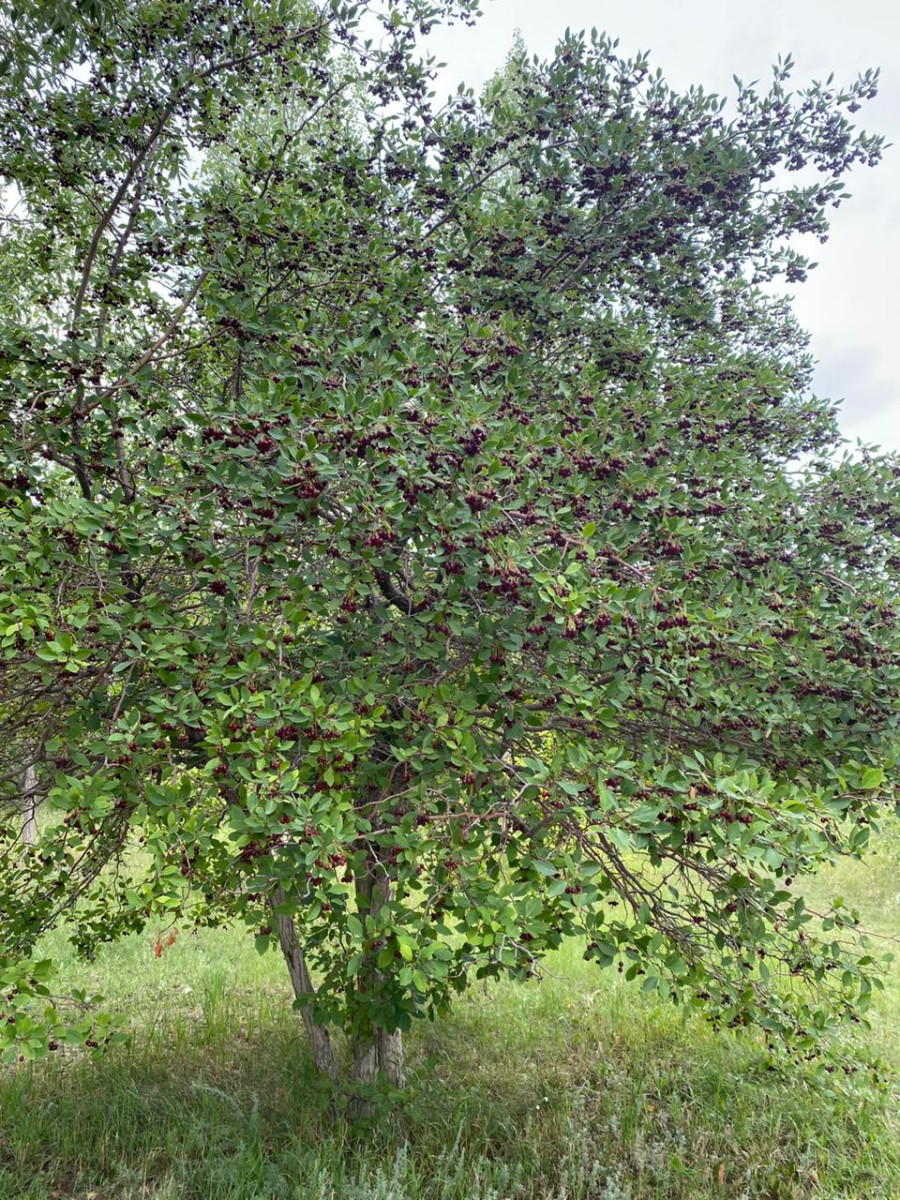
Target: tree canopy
x=420 y=542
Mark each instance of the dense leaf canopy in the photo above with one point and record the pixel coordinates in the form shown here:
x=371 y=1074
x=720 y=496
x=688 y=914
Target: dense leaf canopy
x=419 y=539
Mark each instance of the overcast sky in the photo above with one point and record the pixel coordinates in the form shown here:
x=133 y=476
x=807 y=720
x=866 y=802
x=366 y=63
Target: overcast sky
x=850 y=302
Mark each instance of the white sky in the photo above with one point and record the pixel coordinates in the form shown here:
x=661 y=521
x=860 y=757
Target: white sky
x=849 y=303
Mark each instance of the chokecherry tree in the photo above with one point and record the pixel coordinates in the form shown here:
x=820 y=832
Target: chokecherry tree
x=420 y=541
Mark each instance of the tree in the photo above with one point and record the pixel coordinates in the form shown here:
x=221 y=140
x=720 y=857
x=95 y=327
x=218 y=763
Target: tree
x=432 y=547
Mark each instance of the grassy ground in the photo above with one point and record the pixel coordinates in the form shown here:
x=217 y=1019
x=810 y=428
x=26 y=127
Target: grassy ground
x=575 y=1089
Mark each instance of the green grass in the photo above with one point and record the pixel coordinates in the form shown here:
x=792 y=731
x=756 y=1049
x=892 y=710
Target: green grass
x=577 y=1088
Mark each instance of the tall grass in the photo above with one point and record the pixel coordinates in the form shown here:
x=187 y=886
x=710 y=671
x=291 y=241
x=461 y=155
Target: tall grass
x=576 y=1088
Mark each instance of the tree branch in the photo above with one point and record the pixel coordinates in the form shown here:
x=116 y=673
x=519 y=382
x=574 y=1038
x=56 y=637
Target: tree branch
x=394 y=596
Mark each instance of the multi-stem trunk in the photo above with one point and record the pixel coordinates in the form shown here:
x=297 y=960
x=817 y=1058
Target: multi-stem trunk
x=317 y=1035
x=377 y=1053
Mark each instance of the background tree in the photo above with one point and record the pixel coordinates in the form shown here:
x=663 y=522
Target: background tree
x=432 y=548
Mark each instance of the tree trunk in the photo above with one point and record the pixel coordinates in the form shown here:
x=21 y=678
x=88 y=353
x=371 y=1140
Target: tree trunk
x=317 y=1035
x=28 y=805
x=377 y=1053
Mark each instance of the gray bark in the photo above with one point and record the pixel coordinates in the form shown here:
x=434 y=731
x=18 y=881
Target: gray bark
x=376 y=1053
x=317 y=1035
x=380 y=1054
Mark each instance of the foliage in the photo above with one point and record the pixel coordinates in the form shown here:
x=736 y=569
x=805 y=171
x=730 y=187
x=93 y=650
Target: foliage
x=419 y=540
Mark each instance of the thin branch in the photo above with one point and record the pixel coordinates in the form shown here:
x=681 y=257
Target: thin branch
x=112 y=208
